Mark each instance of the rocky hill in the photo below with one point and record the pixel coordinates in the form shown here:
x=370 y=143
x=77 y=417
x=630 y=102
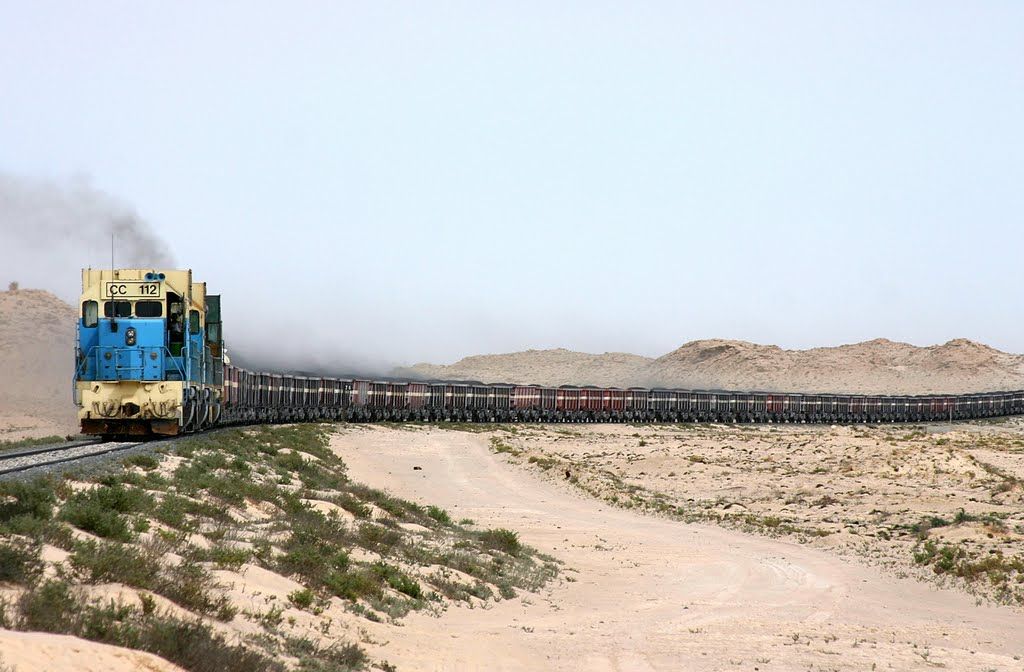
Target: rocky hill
x=541 y=367
x=878 y=366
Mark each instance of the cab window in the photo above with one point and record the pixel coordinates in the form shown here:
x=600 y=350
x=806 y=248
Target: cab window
x=117 y=309
x=148 y=309
x=90 y=313
x=193 y=322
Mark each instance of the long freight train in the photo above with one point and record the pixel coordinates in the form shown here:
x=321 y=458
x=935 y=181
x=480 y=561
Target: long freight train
x=150 y=360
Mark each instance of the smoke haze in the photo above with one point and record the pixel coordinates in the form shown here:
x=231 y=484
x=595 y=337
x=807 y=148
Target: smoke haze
x=48 y=229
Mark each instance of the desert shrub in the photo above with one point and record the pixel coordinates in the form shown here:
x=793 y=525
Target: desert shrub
x=190 y=585
x=143 y=461
x=927 y=523
x=115 y=562
x=344 y=658
x=50 y=607
x=501 y=539
x=398 y=580
x=56 y=607
x=99 y=510
x=346 y=501
x=228 y=557
x=175 y=510
x=303 y=599
x=195 y=646
x=377 y=538
x=19 y=562
x=354 y=584
x=34 y=499
x=439 y=514
x=92 y=517
x=336 y=658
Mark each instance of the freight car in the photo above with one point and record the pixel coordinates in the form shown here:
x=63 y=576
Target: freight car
x=150 y=361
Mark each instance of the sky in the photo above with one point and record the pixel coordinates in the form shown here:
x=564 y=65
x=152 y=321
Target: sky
x=376 y=184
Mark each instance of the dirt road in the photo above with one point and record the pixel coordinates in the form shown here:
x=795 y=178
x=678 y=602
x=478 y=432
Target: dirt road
x=644 y=593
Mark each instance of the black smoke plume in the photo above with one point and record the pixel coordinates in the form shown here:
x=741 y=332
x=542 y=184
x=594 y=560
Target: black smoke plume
x=51 y=229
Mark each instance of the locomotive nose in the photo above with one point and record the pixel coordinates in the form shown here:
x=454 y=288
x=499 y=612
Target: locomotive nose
x=129 y=336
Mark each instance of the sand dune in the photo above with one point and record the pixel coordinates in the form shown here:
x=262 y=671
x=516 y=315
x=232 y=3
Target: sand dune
x=37 y=345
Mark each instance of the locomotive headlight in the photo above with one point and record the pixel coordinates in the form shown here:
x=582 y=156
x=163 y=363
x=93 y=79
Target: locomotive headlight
x=129 y=336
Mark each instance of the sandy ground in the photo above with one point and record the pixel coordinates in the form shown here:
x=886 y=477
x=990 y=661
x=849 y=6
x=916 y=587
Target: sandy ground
x=41 y=652
x=16 y=426
x=877 y=493
x=656 y=594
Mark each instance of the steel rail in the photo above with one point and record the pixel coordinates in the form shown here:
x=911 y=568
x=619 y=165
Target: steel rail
x=110 y=447
x=48 y=448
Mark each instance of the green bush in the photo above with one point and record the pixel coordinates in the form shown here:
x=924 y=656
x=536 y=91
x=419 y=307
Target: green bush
x=354 y=584
x=377 y=538
x=228 y=557
x=143 y=461
x=34 y=499
x=49 y=607
x=190 y=585
x=193 y=645
x=19 y=562
x=303 y=599
x=439 y=514
x=344 y=658
x=398 y=580
x=116 y=562
x=98 y=510
x=501 y=539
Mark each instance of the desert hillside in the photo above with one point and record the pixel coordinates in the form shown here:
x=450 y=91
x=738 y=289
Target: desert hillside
x=541 y=367
x=878 y=366
x=37 y=344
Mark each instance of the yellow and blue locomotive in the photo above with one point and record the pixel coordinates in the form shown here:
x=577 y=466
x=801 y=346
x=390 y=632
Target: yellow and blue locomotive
x=150 y=354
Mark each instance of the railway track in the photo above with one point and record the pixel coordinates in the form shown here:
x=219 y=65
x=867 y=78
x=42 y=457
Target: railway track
x=24 y=462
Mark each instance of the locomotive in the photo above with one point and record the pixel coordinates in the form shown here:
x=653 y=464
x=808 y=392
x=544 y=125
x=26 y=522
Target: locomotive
x=150 y=361
x=149 y=358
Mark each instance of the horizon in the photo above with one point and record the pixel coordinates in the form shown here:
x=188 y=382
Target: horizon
x=706 y=340
x=410 y=184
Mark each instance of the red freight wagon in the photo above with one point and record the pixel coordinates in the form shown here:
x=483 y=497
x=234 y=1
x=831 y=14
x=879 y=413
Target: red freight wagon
x=395 y=395
x=455 y=396
x=360 y=393
x=568 y=399
x=616 y=400
x=502 y=396
x=636 y=399
x=417 y=395
x=548 y=398
x=591 y=399
x=525 y=397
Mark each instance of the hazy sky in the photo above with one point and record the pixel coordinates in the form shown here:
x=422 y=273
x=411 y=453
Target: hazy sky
x=422 y=181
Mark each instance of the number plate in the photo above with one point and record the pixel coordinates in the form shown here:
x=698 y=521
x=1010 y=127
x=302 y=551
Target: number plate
x=132 y=290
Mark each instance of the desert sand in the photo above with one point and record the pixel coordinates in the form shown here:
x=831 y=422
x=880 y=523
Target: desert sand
x=657 y=594
x=38 y=651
